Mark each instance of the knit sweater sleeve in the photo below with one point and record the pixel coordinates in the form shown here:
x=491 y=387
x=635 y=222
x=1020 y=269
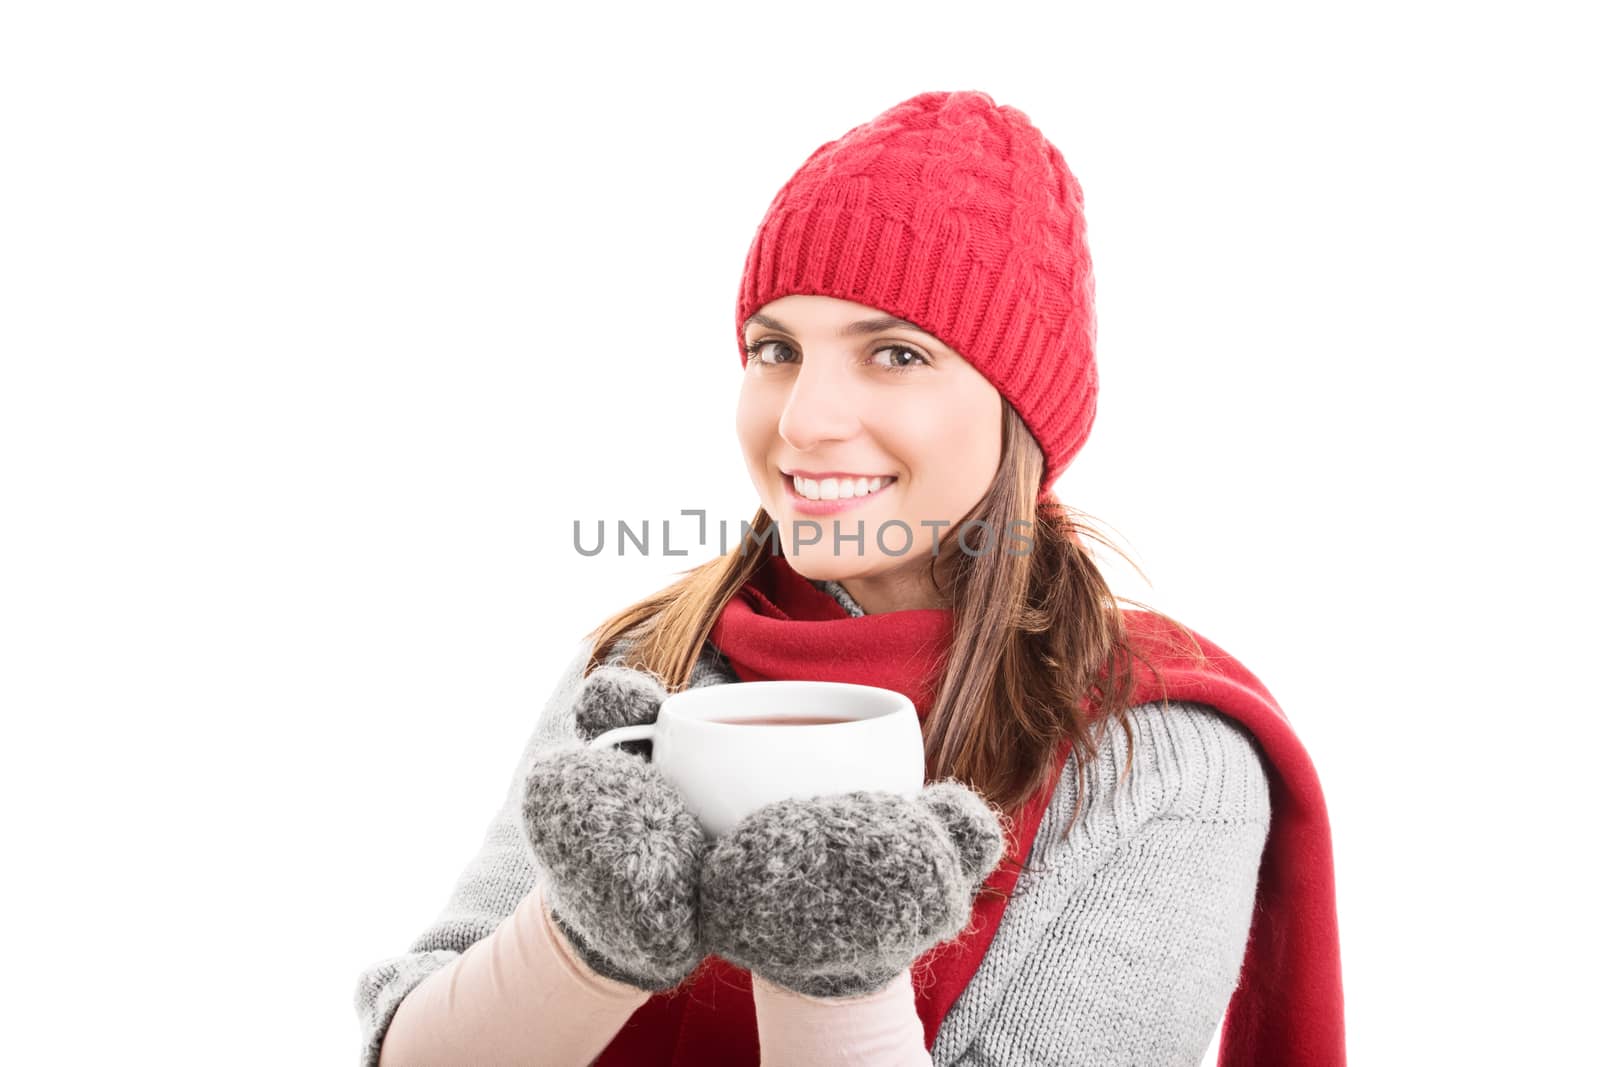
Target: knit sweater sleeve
x=1123 y=943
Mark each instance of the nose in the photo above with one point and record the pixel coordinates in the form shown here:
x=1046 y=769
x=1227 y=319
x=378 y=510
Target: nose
x=820 y=407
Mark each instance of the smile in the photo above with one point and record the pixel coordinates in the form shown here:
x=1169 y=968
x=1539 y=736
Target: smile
x=830 y=495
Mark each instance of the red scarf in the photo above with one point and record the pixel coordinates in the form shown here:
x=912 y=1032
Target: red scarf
x=1288 y=1008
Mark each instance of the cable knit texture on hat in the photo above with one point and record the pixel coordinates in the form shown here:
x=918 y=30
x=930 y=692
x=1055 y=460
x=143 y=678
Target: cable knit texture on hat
x=955 y=214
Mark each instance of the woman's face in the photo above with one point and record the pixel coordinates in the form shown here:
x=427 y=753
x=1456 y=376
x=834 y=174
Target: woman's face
x=834 y=389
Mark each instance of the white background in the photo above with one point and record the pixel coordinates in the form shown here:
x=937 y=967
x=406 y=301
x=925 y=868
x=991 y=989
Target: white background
x=322 y=322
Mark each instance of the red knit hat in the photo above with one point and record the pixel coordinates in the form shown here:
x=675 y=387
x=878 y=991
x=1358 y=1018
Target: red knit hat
x=955 y=214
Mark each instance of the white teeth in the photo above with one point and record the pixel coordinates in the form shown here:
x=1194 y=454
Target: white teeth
x=838 y=488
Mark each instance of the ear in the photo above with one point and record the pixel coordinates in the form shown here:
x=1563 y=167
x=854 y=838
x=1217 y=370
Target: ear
x=613 y=696
x=976 y=828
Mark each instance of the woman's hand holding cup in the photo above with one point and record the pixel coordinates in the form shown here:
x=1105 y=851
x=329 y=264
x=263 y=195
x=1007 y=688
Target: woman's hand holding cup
x=621 y=853
x=834 y=896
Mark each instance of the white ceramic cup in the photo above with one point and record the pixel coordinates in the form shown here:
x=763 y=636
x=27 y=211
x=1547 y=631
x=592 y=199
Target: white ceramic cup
x=727 y=769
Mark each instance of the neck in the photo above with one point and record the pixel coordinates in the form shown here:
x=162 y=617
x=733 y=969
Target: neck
x=876 y=594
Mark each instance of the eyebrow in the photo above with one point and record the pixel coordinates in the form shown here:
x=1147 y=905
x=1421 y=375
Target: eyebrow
x=882 y=322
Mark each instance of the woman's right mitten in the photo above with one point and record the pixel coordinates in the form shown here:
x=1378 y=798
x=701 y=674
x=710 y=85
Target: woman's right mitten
x=620 y=851
x=614 y=696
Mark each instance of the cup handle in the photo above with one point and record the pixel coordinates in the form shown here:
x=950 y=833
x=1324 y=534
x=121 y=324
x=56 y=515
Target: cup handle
x=642 y=732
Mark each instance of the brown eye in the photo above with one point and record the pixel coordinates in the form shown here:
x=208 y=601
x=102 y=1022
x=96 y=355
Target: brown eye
x=753 y=351
x=894 y=363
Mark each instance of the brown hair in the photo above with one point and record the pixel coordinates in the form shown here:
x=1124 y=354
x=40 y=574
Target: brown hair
x=1011 y=690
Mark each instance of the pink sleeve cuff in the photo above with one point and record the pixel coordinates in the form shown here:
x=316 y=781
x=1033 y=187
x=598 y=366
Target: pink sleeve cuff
x=880 y=1029
x=518 y=996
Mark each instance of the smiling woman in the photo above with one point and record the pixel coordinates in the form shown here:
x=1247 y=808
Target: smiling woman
x=917 y=335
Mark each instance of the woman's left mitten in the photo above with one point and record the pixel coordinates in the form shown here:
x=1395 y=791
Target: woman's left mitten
x=834 y=896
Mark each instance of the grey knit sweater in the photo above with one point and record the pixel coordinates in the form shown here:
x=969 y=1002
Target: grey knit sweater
x=1121 y=944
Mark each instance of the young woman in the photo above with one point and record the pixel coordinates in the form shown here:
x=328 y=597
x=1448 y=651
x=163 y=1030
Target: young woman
x=916 y=323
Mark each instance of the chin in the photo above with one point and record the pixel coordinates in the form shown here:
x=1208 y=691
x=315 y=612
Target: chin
x=822 y=568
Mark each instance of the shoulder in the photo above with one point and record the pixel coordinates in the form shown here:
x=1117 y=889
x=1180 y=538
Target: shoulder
x=1192 y=761
x=1189 y=762
x=710 y=668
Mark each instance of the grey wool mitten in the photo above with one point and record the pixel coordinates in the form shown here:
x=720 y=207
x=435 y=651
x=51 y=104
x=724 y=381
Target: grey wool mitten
x=620 y=852
x=613 y=696
x=833 y=896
